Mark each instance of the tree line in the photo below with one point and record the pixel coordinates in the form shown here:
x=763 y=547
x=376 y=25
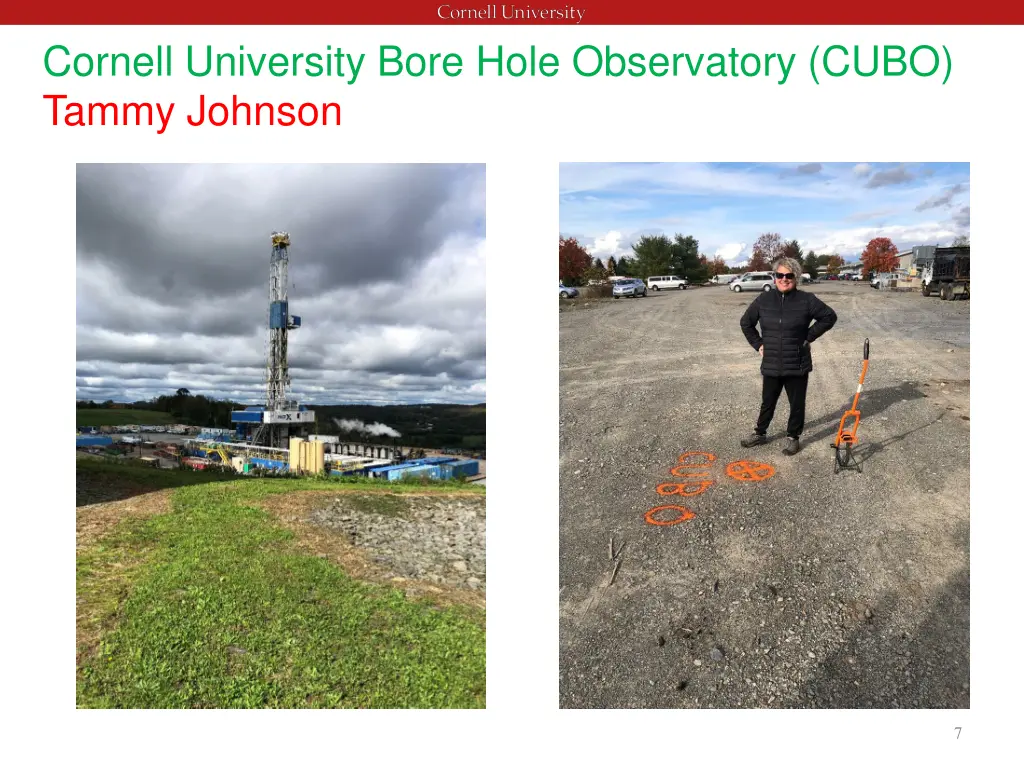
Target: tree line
x=680 y=256
x=652 y=255
x=186 y=408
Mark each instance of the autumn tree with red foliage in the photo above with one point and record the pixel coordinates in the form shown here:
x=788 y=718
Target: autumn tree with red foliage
x=879 y=256
x=573 y=261
x=767 y=248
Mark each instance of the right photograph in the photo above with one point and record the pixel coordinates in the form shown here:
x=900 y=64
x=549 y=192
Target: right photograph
x=764 y=435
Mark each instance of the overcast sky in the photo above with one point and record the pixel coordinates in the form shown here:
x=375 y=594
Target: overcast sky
x=833 y=208
x=386 y=272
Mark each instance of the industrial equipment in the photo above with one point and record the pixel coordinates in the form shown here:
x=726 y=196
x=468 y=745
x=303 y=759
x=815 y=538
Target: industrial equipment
x=279 y=418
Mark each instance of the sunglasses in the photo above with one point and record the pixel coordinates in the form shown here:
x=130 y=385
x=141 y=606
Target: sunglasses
x=783 y=275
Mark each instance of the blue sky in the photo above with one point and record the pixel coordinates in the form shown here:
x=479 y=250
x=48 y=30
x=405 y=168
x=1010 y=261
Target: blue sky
x=828 y=207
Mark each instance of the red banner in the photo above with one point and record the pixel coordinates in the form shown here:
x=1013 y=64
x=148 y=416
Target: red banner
x=589 y=12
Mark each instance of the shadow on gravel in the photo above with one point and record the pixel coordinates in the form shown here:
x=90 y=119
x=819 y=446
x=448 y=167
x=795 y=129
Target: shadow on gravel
x=882 y=666
x=870 y=449
x=872 y=404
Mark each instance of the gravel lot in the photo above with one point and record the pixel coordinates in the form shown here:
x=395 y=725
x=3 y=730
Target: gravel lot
x=808 y=589
x=438 y=539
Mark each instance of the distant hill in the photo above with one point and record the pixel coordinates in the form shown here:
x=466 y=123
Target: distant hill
x=434 y=425
x=113 y=417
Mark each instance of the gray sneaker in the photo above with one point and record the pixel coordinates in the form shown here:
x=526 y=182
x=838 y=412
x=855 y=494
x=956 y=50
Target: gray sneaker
x=755 y=439
x=792 y=446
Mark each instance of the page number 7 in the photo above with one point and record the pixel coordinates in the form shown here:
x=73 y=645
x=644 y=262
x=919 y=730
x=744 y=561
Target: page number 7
x=957 y=728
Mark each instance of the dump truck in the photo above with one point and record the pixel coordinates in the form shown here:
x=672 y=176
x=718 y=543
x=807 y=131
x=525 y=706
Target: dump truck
x=949 y=273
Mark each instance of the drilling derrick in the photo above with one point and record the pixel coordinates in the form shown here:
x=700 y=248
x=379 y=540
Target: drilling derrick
x=280 y=417
x=278 y=326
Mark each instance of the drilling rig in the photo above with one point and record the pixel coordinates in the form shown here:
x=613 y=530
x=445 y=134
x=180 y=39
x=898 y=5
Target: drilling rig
x=280 y=417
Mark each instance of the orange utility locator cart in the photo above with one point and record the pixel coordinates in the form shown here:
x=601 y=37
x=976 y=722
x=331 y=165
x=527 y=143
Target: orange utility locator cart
x=847 y=436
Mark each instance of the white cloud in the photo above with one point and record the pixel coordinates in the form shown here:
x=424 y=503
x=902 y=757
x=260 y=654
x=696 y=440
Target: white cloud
x=731 y=251
x=851 y=242
x=606 y=245
x=862 y=169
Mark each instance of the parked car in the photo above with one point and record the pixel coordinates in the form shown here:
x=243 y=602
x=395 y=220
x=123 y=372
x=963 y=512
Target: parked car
x=631 y=287
x=666 y=282
x=888 y=279
x=567 y=292
x=753 y=281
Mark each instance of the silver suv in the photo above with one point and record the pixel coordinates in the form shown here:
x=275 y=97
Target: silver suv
x=631 y=287
x=753 y=281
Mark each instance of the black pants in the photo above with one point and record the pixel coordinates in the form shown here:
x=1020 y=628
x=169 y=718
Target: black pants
x=796 y=391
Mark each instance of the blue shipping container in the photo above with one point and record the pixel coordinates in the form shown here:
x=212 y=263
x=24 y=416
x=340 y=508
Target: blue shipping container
x=424 y=470
x=466 y=468
x=82 y=441
x=378 y=471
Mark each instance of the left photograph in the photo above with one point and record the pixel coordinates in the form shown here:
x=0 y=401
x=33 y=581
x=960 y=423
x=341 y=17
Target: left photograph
x=281 y=447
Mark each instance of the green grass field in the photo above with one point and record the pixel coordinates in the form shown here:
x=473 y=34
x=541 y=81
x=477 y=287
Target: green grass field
x=113 y=417
x=212 y=605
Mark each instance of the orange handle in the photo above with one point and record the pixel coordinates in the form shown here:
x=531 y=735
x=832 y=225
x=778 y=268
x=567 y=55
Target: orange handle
x=848 y=436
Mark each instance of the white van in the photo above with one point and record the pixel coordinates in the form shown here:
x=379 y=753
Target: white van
x=753 y=281
x=723 y=279
x=666 y=282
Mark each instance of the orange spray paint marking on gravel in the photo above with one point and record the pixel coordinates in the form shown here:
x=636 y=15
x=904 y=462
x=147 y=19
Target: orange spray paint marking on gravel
x=685 y=462
x=676 y=471
x=749 y=471
x=684 y=515
x=692 y=484
x=695 y=488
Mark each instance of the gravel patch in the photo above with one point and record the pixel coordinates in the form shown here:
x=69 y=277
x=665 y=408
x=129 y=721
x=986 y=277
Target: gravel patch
x=435 y=539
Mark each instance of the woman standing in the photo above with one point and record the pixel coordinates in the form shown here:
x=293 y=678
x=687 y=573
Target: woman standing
x=790 y=321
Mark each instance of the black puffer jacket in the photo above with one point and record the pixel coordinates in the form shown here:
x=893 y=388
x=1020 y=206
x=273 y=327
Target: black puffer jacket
x=786 y=329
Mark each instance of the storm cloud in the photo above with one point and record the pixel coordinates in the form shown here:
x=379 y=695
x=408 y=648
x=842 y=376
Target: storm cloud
x=386 y=271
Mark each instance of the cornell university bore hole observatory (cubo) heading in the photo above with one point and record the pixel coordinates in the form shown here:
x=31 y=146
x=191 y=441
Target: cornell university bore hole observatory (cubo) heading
x=587 y=61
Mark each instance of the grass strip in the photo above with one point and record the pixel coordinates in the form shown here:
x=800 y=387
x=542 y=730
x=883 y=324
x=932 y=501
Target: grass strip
x=216 y=608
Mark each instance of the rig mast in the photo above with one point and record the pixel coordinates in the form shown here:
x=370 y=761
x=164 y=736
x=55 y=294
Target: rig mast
x=280 y=322
x=279 y=418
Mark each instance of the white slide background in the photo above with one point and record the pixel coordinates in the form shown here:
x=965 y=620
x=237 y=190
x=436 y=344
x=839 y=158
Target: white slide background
x=522 y=128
